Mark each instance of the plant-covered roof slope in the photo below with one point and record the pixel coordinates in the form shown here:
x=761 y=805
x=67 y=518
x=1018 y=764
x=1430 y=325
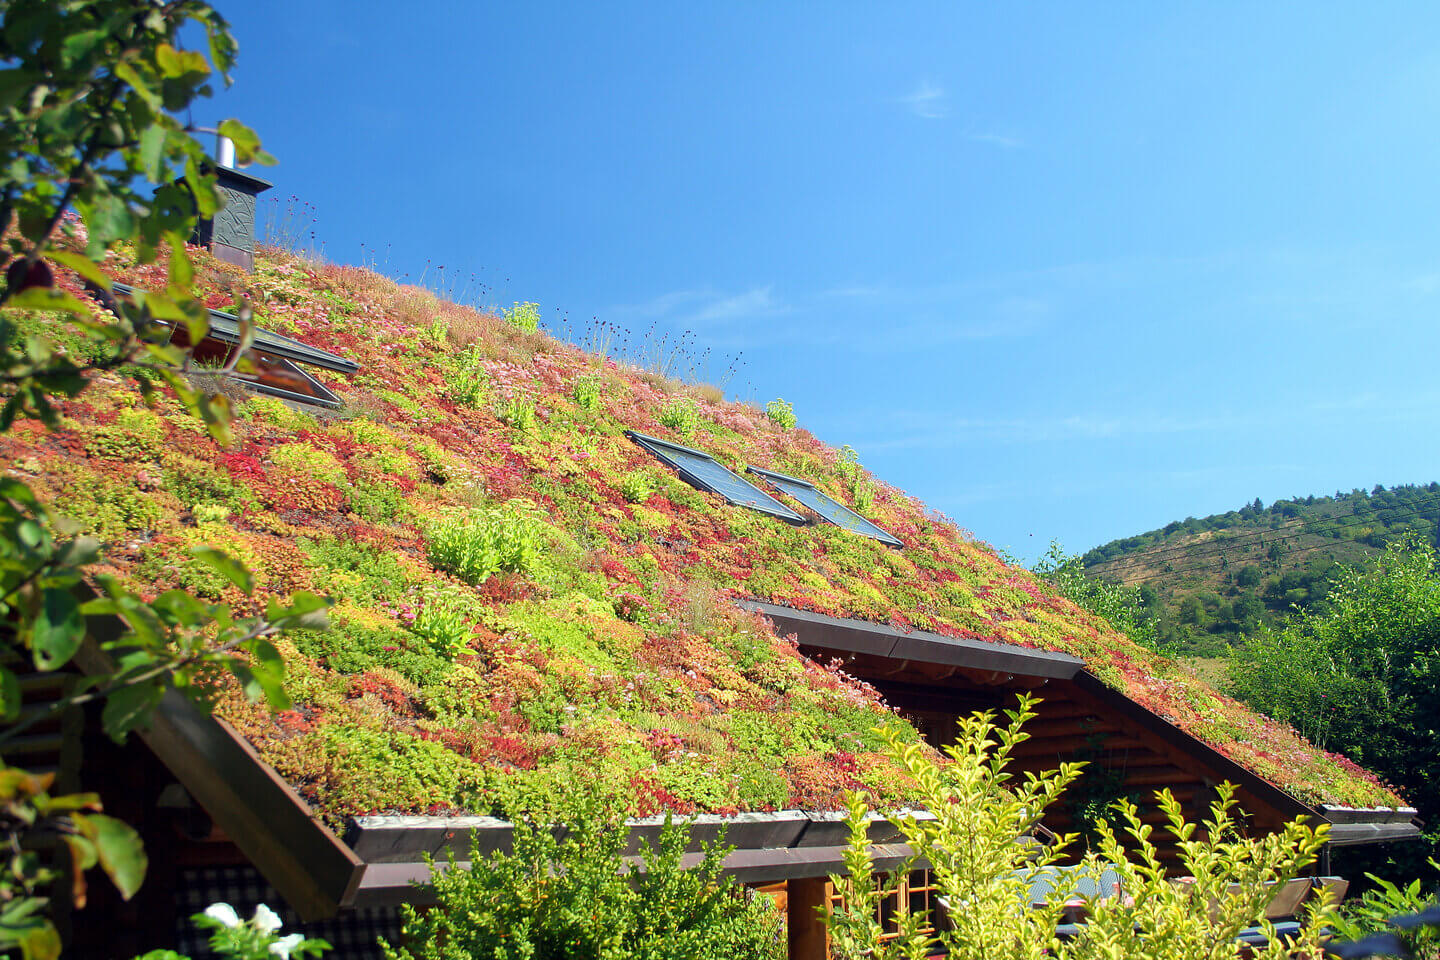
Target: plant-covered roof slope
x=526 y=599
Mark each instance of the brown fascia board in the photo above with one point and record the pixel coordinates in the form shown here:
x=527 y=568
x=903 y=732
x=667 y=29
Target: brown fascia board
x=861 y=636
x=390 y=884
x=769 y=847
x=268 y=821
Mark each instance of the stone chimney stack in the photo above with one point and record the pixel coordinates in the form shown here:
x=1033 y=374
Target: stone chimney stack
x=231 y=235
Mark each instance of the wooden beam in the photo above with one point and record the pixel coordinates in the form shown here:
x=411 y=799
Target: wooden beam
x=272 y=825
x=804 y=922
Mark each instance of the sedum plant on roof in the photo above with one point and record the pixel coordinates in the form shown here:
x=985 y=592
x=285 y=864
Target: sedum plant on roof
x=605 y=645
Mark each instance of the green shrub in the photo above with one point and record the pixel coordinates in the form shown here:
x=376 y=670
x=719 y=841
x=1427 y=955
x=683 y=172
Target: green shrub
x=862 y=496
x=467 y=381
x=211 y=513
x=681 y=415
x=781 y=414
x=1375 y=908
x=636 y=487
x=476 y=545
x=357 y=572
x=519 y=412
x=384 y=768
x=443 y=621
x=586 y=393
x=524 y=317
x=975 y=845
x=575 y=899
x=376 y=502
x=310 y=460
x=350 y=648
x=195 y=483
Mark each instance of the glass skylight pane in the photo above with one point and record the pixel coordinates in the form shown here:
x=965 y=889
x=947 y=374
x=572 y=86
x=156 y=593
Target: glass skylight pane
x=816 y=499
x=701 y=470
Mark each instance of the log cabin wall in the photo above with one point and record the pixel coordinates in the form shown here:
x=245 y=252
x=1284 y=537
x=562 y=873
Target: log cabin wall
x=1125 y=756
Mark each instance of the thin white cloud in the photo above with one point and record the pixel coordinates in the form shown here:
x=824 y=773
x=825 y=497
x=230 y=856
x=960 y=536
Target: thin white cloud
x=927 y=101
x=996 y=140
x=756 y=302
x=701 y=309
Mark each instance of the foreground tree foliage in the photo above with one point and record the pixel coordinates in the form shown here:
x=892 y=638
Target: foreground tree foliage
x=983 y=865
x=89 y=93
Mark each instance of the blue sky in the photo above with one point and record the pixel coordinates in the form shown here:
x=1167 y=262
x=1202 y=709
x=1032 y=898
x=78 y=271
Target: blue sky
x=1060 y=270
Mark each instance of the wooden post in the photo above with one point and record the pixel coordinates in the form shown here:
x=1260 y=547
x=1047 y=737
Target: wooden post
x=805 y=897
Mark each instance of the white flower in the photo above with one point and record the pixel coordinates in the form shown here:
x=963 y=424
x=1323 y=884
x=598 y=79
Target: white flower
x=266 y=920
x=224 y=913
x=282 y=947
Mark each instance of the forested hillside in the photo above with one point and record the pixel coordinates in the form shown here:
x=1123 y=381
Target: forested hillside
x=1210 y=580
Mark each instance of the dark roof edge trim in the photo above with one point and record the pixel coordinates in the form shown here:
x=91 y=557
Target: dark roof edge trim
x=862 y=636
x=403 y=839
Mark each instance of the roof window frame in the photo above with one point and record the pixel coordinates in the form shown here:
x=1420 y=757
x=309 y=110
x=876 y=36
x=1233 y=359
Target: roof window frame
x=884 y=536
x=764 y=503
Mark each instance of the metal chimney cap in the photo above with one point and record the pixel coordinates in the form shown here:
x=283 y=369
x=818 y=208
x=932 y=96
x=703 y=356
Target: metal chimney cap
x=224 y=151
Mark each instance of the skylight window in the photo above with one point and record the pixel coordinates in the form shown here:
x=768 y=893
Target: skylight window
x=829 y=508
x=701 y=470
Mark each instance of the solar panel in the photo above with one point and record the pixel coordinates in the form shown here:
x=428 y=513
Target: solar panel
x=699 y=469
x=832 y=510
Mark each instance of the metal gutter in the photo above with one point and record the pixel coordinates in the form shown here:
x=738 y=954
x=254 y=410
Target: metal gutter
x=382 y=840
x=860 y=636
x=1355 y=834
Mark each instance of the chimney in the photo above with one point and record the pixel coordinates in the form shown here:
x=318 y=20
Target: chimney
x=231 y=235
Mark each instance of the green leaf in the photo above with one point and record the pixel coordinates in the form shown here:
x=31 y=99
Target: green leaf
x=39 y=940
x=122 y=855
x=130 y=707
x=82 y=857
x=247 y=143
x=108 y=218
x=215 y=411
x=80 y=552
x=83 y=265
x=152 y=151
x=78 y=46
x=175 y=64
x=137 y=83
x=14 y=83
x=307 y=611
x=58 y=629
x=182 y=271
x=46 y=298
